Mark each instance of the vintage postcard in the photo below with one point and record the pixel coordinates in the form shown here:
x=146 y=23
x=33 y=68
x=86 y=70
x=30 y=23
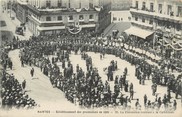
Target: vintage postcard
x=100 y=58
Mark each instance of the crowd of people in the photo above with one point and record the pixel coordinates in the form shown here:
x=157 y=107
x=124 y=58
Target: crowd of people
x=13 y=93
x=87 y=88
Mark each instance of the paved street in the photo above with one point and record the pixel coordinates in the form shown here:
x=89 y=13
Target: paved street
x=11 y=24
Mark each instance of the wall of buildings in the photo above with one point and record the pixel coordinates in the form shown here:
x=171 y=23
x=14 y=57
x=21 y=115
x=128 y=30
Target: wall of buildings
x=162 y=15
x=64 y=3
x=56 y=16
x=121 y=16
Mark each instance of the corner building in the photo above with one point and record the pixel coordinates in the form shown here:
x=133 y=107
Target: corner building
x=52 y=16
x=153 y=18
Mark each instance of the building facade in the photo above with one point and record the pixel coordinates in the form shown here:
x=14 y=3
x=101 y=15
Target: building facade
x=118 y=5
x=150 y=18
x=21 y=11
x=52 y=16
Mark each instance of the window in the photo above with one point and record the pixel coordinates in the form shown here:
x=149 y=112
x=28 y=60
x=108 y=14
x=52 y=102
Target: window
x=136 y=4
x=169 y=9
x=91 y=17
x=48 y=3
x=136 y=18
x=59 y=18
x=91 y=4
x=160 y=8
x=151 y=7
x=179 y=11
x=151 y=22
x=70 y=17
x=69 y=4
x=143 y=20
x=80 y=4
x=59 y=3
x=143 y=6
x=81 y=17
x=48 y=18
x=129 y=18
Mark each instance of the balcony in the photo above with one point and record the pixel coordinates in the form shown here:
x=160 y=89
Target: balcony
x=87 y=23
x=154 y=14
x=143 y=25
x=142 y=11
x=60 y=27
x=47 y=24
x=175 y=19
x=63 y=10
x=50 y=28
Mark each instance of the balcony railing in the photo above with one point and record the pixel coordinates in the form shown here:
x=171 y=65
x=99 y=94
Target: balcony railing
x=85 y=23
x=51 y=24
x=143 y=9
x=142 y=25
x=155 y=14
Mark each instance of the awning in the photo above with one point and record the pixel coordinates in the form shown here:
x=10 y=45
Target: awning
x=62 y=27
x=138 y=32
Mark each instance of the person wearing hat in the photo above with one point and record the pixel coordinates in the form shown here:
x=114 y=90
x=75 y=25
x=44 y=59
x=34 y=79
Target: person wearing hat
x=131 y=94
x=174 y=105
x=32 y=72
x=24 y=84
x=137 y=104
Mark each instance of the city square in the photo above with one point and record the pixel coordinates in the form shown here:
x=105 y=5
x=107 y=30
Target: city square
x=91 y=57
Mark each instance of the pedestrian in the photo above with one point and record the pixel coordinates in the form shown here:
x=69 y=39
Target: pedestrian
x=145 y=100
x=32 y=72
x=149 y=104
x=154 y=89
x=168 y=95
x=159 y=102
x=174 y=105
x=131 y=86
x=137 y=104
x=100 y=56
x=126 y=87
x=24 y=84
x=24 y=28
x=22 y=62
x=10 y=64
x=131 y=94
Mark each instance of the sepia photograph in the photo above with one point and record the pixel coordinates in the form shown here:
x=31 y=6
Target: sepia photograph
x=90 y=58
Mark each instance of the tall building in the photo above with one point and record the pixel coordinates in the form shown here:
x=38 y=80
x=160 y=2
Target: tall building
x=52 y=16
x=153 y=18
x=117 y=5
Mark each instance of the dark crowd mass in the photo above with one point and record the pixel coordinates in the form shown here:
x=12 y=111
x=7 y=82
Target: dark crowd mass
x=87 y=88
x=13 y=93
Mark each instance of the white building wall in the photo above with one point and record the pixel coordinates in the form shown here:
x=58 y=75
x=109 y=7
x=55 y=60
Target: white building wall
x=133 y=3
x=84 y=3
x=174 y=9
x=165 y=8
x=95 y=2
x=148 y=4
x=54 y=3
x=65 y=3
x=74 y=3
x=42 y=3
